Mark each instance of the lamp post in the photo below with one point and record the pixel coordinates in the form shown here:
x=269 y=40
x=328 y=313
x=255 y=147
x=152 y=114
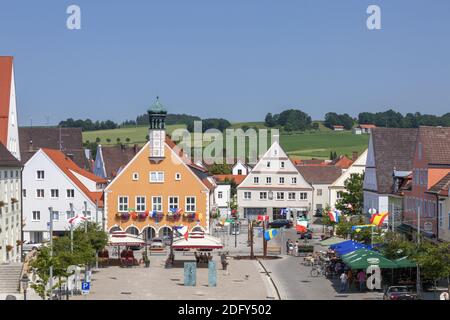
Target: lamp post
x=24 y=282
x=50 y=209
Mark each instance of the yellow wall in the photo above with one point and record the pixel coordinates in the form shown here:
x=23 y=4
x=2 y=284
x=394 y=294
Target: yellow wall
x=123 y=185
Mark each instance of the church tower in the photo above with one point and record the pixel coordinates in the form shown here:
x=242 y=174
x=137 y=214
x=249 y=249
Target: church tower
x=157 y=132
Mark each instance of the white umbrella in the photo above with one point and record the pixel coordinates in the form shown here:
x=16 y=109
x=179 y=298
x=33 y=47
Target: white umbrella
x=198 y=240
x=120 y=238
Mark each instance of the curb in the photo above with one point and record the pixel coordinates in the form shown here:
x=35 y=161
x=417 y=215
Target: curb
x=270 y=278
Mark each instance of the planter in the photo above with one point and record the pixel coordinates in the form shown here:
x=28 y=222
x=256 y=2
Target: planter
x=14 y=200
x=2 y=204
x=189 y=216
x=305 y=249
x=159 y=216
x=123 y=215
x=133 y=215
x=9 y=247
x=173 y=216
x=142 y=215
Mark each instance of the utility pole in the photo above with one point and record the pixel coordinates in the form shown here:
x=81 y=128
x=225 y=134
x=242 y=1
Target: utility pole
x=264 y=239
x=71 y=229
x=418 y=287
x=85 y=230
x=50 y=209
x=252 y=255
x=96 y=211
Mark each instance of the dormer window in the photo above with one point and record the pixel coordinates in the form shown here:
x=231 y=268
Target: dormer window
x=282 y=163
x=268 y=164
x=177 y=176
x=40 y=174
x=135 y=176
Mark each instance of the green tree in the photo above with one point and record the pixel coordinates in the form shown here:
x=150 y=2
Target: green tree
x=269 y=121
x=128 y=140
x=108 y=140
x=351 y=202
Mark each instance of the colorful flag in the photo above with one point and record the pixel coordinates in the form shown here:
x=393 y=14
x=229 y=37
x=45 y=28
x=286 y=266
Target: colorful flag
x=183 y=230
x=378 y=218
x=269 y=234
x=358 y=228
x=263 y=218
x=334 y=215
x=77 y=219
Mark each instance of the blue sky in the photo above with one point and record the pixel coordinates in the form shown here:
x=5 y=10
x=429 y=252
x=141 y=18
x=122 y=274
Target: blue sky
x=237 y=59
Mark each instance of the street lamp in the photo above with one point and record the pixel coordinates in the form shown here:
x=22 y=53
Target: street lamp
x=24 y=282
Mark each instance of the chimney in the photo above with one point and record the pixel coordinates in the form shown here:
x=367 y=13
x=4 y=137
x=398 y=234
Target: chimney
x=354 y=155
x=30 y=146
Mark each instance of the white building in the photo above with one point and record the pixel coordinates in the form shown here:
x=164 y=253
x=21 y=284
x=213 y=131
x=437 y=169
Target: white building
x=53 y=180
x=320 y=178
x=274 y=184
x=241 y=168
x=222 y=196
x=10 y=207
x=390 y=150
x=338 y=186
x=9 y=134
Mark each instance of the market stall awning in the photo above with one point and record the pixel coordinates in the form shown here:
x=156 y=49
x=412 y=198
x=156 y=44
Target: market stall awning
x=363 y=258
x=331 y=241
x=340 y=244
x=350 y=246
x=120 y=238
x=197 y=240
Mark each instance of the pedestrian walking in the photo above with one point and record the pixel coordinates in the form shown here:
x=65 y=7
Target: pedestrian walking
x=361 y=279
x=287 y=246
x=296 y=248
x=344 y=279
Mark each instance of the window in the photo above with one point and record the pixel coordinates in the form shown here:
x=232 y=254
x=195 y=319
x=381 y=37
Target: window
x=282 y=163
x=294 y=180
x=157 y=204
x=190 y=204
x=280 y=195
x=87 y=214
x=173 y=203
x=339 y=195
x=291 y=195
x=123 y=204
x=441 y=215
x=70 y=214
x=281 y=180
x=303 y=196
x=268 y=180
x=177 y=176
x=55 y=215
x=40 y=174
x=54 y=193
x=156 y=176
x=140 y=204
x=70 y=193
x=24 y=193
x=319 y=192
x=239 y=171
x=36 y=215
x=247 y=195
x=263 y=195
x=17 y=174
x=39 y=193
x=135 y=176
x=255 y=180
x=220 y=195
x=268 y=164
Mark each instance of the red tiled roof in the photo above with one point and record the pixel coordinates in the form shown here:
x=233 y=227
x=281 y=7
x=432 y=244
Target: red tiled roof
x=6 y=65
x=67 y=166
x=442 y=186
x=343 y=162
x=436 y=144
x=340 y=127
x=237 y=178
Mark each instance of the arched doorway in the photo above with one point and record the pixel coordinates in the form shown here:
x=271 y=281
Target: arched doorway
x=132 y=230
x=197 y=229
x=114 y=229
x=149 y=233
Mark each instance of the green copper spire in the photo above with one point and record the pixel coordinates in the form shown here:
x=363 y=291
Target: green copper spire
x=157 y=108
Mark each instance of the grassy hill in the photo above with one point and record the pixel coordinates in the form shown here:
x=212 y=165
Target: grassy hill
x=302 y=145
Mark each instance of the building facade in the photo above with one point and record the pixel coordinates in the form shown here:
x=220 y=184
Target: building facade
x=273 y=186
x=159 y=188
x=431 y=164
x=9 y=135
x=53 y=180
x=10 y=207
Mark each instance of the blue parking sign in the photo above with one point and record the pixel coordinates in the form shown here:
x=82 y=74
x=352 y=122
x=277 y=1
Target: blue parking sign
x=85 y=287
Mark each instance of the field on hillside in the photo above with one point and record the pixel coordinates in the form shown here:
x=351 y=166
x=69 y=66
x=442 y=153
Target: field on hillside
x=313 y=144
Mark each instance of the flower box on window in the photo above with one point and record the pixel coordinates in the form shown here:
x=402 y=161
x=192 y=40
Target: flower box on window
x=133 y=215
x=189 y=215
x=123 y=215
x=142 y=215
x=9 y=247
x=157 y=215
x=14 y=200
x=173 y=215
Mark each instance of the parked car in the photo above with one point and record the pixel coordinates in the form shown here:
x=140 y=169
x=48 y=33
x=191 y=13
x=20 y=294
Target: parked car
x=157 y=243
x=400 y=293
x=306 y=235
x=279 y=223
x=29 y=246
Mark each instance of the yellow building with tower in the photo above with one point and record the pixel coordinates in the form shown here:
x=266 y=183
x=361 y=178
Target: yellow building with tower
x=159 y=188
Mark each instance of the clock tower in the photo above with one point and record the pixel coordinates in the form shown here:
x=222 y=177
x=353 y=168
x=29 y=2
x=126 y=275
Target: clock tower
x=157 y=133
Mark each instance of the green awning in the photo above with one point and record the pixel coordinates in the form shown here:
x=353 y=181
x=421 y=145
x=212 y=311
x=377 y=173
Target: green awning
x=331 y=241
x=363 y=258
x=405 y=263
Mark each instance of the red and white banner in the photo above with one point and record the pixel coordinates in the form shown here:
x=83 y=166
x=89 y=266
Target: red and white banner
x=263 y=218
x=77 y=219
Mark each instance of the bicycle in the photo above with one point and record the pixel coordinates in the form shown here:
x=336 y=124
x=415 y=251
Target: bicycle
x=320 y=270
